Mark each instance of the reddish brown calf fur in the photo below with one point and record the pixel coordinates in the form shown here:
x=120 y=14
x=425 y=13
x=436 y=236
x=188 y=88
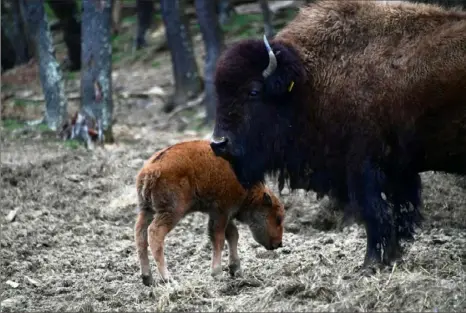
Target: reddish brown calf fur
x=188 y=177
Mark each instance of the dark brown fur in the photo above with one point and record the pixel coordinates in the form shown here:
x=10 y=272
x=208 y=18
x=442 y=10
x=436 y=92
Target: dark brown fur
x=188 y=177
x=379 y=95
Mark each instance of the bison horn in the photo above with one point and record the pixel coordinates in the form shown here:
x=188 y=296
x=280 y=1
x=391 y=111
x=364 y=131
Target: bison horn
x=272 y=60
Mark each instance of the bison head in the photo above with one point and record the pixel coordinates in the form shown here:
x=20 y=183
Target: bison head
x=259 y=86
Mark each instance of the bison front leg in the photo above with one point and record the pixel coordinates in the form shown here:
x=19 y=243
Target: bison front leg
x=405 y=194
x=162 y=224
x=217 y=226
x=365 y=191
x=232 y=237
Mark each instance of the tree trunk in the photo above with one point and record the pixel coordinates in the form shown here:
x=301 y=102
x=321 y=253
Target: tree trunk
x=188 y=84
x=213 y=40
x=96 y=73
x=8 y=52
x=267 y=16
x=15 y=30
x=67 y=12
x=50 y=73
x=145 y=13
x=225 y=10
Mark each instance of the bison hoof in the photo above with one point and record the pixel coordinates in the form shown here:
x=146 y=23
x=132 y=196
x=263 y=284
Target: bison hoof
x=368 y=271
x=147 y=279
x=235 y=270
x=370 y=267
x=393 y=255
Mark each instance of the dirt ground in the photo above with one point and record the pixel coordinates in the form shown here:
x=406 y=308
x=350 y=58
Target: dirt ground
x=70 y=246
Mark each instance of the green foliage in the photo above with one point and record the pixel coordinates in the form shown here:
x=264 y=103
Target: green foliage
x=11 y=124
x=244 y=25
x=130 y=19
x=42 y=127
x=49 y=12
x=25 y=102
x=71 y=75
x=71 y=144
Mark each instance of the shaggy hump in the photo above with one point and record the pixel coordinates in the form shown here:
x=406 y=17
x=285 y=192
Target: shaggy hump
x=240 y=61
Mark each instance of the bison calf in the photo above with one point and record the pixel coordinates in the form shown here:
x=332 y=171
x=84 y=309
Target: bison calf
x=188 y=177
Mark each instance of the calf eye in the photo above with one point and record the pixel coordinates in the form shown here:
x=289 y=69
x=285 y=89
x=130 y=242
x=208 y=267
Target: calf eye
x=279 y=220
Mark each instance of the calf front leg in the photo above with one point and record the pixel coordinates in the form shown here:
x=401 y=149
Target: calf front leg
x=162 y=224
x=217 y=226
x=232 y=236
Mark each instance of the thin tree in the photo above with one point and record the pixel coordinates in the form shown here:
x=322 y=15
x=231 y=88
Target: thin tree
x=51 y=76
x=188 y=83
x=96 y=64
x=212 y=34
x=13 y=25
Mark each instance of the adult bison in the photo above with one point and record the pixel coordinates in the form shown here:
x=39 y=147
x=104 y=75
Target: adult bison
x=354 y=100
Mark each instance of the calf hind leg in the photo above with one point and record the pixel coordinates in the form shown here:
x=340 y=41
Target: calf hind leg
x=162 y=224
x=140 y=236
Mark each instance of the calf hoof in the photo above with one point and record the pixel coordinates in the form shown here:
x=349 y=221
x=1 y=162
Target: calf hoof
x=235 y=270
x=147 y=279
x=216 y=271
x=165 y=279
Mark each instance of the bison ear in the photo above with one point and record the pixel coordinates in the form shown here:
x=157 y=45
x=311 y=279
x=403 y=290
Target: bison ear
x=288 y=73
x=267 y=200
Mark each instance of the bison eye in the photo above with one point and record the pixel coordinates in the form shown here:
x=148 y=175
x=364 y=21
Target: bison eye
x=253 y=93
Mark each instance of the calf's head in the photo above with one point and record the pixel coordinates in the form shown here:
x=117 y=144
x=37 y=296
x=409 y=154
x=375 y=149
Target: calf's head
x=258 y=86
x=264 y=214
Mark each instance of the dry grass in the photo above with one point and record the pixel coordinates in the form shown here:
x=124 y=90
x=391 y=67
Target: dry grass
x=73 y=237
x=70 y=247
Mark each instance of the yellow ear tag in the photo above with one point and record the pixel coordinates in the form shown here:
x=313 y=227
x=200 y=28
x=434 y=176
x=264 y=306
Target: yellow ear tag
x=291 y=86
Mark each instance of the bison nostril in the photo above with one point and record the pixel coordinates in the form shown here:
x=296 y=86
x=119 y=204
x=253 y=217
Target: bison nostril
x=218 y=141
x=218 y=144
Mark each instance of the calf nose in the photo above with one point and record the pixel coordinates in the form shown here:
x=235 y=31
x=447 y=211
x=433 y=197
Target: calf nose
x=277 y=245
x=218 y=145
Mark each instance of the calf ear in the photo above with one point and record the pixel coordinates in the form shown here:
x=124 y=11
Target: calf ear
x=288 y=73
x=266 y=200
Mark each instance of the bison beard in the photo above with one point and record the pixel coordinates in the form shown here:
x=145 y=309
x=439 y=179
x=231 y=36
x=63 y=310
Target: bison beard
x=346 y=108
